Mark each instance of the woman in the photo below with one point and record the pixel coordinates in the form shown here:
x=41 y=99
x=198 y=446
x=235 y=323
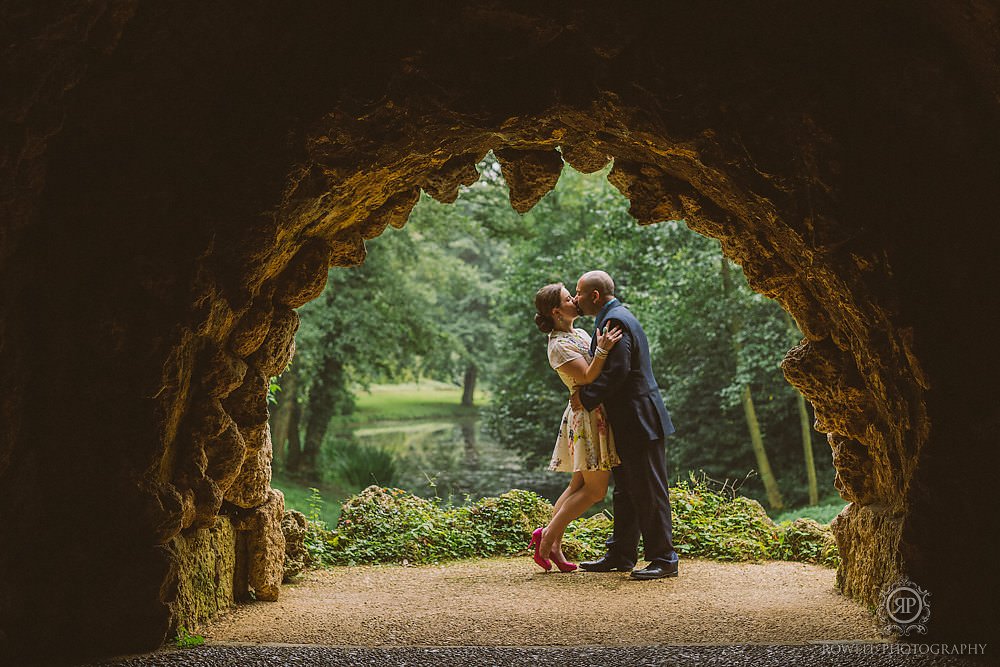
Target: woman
x=585 y=445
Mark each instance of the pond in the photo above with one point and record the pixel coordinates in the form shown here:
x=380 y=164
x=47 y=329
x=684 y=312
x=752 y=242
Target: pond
x=455 y=459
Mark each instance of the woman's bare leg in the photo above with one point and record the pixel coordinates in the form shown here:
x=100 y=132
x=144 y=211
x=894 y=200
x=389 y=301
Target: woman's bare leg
x=595 y=487
x=575 y=484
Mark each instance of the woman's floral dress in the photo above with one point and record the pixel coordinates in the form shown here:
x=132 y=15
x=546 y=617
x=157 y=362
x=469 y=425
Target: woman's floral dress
x=585 y=440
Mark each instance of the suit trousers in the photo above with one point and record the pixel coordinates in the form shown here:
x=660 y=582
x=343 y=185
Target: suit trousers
x=642 y=504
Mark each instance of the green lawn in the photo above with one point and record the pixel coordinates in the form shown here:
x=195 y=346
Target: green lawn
x=426 y=399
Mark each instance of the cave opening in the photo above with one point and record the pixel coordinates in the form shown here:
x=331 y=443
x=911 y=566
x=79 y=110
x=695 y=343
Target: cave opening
x=448 y=276
x=180 y=182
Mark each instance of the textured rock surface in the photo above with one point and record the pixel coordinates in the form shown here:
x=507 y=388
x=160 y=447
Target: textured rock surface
x=176 y=178
x=261 y=543
x=205 y=565
x=294 y=527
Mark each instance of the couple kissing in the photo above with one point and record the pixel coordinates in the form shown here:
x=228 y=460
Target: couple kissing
x=615 y=423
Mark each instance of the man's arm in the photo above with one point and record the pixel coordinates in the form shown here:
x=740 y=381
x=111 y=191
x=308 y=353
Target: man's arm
x=615 y=371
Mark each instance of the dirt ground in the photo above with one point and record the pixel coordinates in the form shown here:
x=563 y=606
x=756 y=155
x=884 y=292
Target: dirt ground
x=510 y=602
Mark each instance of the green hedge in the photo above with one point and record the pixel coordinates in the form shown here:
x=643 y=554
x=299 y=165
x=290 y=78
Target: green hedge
x=392 y=526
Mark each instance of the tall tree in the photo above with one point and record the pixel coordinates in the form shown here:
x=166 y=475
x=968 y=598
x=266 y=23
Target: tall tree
x=371 y=323
x=746 y=399
x=805 y=423
x=669 y=276
x=464 y=250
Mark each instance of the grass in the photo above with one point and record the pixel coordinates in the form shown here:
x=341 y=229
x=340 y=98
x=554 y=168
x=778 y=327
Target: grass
x=823 y=513
x=426 y=399
x=297 y=497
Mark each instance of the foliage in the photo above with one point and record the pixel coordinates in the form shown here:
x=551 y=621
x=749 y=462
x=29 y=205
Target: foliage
x=823 y=513
x=272 y=391
x=382 y=525
x=359 y=464
x=711 y=525
x=390 y=525
x=464 y=249
x=807 y=541
x=584 y=538
x=185 y=639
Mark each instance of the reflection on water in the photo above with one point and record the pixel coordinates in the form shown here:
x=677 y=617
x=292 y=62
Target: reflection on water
x=456 y=459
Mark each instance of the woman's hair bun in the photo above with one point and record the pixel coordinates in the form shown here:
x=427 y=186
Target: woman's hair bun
x=547 y=299
x=544 y=323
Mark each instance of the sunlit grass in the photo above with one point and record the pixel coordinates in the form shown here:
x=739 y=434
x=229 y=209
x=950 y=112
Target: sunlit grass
x=426 y=399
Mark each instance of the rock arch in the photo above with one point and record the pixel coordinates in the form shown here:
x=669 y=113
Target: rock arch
x=179 y=177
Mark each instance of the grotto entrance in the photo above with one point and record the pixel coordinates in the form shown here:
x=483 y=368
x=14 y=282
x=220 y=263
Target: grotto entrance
x=180 y=182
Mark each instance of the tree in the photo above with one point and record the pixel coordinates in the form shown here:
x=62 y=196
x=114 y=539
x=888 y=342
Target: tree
x=669 y=277
x=370 y=323
x=464 y=249
x=746 y=398
x=804 y=422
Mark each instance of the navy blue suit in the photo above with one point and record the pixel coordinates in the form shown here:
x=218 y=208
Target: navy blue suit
x=641 y=423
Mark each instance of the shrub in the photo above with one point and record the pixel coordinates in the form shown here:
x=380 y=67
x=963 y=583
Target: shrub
x=711 y=525
x=390 y=525
x=382 y=525
x=807 y=541
x=584 y=539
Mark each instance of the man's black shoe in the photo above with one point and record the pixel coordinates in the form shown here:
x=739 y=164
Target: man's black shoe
x=607 y=563
x=655 y=571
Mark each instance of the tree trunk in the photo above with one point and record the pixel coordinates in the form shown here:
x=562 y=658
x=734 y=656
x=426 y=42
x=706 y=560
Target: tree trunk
x=293 y=462
x=322 y=406
x=757 y=443
x=807 y=449
x=749 y=412
x=471 y=450
x=469 y=386
x=805 y=423
x=281 y=416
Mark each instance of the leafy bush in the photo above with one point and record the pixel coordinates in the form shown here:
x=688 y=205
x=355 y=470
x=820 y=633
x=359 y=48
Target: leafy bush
x=382 y=525
x=584 y=538
x=806 y=540
x=711 y=525
x=389 y=525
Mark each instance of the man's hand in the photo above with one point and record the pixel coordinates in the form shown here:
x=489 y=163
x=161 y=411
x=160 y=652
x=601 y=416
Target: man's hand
x=574 y=399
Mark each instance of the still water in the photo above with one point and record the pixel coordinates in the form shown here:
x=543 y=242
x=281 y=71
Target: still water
x=456 y=459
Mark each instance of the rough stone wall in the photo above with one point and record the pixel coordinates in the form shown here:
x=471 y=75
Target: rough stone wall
x=206 y=562
x=207 y=167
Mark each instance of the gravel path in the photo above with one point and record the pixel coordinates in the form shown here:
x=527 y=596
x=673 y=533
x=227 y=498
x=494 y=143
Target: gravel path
x=506 y=612
x=510 y=602
x=480 y=656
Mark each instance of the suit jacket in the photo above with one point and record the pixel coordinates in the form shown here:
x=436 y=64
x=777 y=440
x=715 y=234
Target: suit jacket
x=626 y=385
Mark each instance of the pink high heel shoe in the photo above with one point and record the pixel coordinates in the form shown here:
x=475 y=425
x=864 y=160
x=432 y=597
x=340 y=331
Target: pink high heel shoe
x=536 y=542
x=563 y=565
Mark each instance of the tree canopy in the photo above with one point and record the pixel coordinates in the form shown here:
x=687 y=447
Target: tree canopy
x=450 y=297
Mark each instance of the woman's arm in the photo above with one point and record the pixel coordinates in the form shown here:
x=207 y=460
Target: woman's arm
x=580 y=371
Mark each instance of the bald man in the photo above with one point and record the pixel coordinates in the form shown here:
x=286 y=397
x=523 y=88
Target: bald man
x=641 y=423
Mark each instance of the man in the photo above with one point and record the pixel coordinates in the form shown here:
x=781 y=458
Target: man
x=640 y=421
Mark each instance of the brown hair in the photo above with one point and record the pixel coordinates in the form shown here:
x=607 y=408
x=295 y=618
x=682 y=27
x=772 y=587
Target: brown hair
x=546 y=299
